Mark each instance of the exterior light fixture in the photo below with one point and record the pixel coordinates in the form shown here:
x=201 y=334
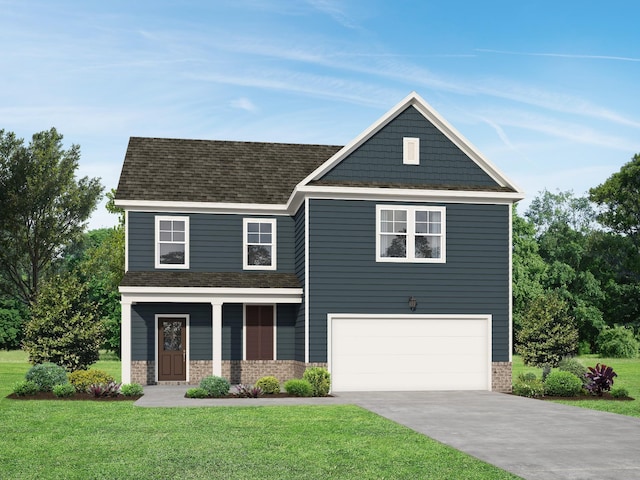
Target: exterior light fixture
x=413 y=303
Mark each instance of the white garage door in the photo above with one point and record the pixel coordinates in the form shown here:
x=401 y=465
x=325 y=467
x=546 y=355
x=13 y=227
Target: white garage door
x=399 y=353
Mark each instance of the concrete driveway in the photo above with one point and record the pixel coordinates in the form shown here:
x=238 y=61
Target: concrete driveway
x=531 y=438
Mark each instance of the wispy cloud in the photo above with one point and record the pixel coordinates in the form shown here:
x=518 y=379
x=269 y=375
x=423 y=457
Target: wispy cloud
x=243 y=103
x=336 y=10
x=560 y=55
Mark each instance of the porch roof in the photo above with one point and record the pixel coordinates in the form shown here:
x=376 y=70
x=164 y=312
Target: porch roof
x=190 y=279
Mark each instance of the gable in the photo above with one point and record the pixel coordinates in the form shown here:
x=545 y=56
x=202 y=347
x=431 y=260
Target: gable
x=379 y=160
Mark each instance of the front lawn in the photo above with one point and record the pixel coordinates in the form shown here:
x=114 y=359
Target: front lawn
x=628 y=370
x=58 y=439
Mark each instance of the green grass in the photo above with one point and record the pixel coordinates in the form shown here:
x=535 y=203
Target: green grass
x=628 y=370
x=78 y=440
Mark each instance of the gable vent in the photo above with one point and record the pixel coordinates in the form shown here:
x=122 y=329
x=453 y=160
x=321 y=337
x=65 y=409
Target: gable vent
x=411 y=151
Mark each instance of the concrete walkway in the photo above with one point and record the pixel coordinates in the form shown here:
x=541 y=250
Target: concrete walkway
x=531 y=438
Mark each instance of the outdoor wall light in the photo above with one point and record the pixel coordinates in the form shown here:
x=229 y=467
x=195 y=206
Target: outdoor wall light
x=413 y=303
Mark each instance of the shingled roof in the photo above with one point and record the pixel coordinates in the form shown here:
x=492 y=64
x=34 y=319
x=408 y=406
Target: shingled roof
x=216 y=171
x=210 y=279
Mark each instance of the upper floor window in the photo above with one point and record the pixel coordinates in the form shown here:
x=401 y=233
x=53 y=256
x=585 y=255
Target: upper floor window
x=172 y=242
x=410 y=234
x=259 y=245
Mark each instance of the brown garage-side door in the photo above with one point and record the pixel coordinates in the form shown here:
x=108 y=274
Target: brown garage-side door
x=172 y=349
x=259 y=332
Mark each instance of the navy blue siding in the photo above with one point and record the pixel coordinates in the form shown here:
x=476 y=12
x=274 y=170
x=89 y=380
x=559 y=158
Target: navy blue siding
x=379 y=159
x=299 y=219
x=286 y=331
x=345 y=278
x=215 y=242
x=232 y=331
x=143 y=328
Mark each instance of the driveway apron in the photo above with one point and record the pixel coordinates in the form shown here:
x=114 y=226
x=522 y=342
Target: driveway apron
x=534 y=439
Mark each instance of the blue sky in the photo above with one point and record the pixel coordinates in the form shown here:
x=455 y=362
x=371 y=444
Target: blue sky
x=548 y=91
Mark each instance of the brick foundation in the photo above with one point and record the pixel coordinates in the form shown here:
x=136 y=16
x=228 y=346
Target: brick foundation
x=249 y=371
x=198 y=369
x=143 y=372
x=501 y=377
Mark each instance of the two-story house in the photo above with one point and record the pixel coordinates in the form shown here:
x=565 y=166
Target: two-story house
x=387 y=260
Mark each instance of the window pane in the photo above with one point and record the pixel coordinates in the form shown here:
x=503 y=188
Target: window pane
x=435 y=217
x=265 y=228
x=427 y=247
x=165 y=225
x=253 y=238
x=435 y=228
x=386 y=215
x=393 y=246
x=178 y=236
x=178 y=225
x=421 y=216
x=172 y=254
x=400 y=215
x=165 y=236
x=421 y=227
x=259 y=255
x=172 y=333
x=253 y=227
x=265 y=238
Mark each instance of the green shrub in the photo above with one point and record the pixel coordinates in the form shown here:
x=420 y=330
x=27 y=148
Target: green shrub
x=83 y=379
x=12 y=319
x=46 y=375
x=197 y=393
x=131 y=390
x=320 y=380
x=562 y=384
x=573 y=365
x=619 y=392
x=529 y=388
x=25 y=388
x=298 y=388
x=215 y=386
x=617 y=342
x=64 y=390
x=548 y=331
x=584 y=347
x=527 y=377
x=269 y=385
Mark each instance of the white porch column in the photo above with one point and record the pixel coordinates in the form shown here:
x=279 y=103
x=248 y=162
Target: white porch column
x=216 y=336
x=125 y=339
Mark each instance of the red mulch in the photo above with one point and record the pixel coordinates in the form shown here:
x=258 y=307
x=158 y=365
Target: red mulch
x=77 y=396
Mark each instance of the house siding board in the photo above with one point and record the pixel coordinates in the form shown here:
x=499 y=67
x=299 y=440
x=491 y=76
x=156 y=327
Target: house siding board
x=143 y=328
x=299 y=220
x=286 y=331
x=345 y=278
x=215 y=242
x=379 y=159
x=232 y=331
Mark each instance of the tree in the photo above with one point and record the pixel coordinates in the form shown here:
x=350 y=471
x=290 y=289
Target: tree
x=619 y=196
x=42 y=208
x=64 y=327
x=562 y=208
x=548 y=331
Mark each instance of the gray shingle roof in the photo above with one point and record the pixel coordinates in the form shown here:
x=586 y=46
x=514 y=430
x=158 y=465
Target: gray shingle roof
x=216 y=171
x=371 y=184
x=210 y=279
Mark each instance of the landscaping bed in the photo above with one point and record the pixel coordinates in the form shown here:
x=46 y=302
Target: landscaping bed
x=605 y=396
x=76 y=396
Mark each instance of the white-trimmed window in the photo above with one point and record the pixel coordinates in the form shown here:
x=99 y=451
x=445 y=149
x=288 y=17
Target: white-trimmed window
x=410 y=234
x=259 y=244
x=411 y=151
x=172 y=242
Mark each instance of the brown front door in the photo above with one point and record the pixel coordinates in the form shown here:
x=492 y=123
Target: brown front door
x=172 y=349
x=259 y=332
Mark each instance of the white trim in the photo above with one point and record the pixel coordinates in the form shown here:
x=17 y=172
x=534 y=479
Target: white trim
x=125 y=340
x=202 y=207
x=185 y=316
x=126 y=241
x=163 y=218
x=273 y=244
x=413 y=99
x=410 y=151
x=453 y=317
x=244 y=328
x=411 y=233
x=306 y=280
x=510 y=284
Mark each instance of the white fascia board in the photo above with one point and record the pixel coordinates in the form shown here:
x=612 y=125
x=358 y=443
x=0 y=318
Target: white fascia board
x=415 y=100
x=409 y=195
x=203 y=294
x=202 y=207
